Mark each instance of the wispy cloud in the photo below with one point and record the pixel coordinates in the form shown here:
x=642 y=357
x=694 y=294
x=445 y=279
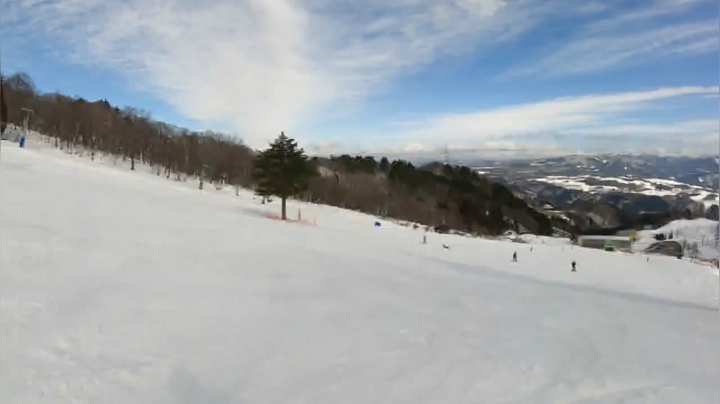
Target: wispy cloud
x=530 y=128
x=262 y=66
x=629 y=38
x=566 y=113
x=646 y=13
x=268 y=65
x=674 y=130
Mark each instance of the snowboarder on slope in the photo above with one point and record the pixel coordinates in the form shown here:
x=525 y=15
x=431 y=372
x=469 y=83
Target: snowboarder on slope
x=574 y=265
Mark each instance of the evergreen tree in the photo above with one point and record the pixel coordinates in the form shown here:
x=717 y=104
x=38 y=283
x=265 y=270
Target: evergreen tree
x=283 y=170
x=384 y=165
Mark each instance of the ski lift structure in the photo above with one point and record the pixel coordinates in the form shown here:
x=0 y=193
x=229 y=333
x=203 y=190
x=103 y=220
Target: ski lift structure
x=27 y=113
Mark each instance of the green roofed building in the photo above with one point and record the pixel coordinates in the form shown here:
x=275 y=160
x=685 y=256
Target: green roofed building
x=607 y=243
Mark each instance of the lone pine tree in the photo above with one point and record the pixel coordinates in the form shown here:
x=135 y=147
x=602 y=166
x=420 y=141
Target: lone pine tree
x=283 y=170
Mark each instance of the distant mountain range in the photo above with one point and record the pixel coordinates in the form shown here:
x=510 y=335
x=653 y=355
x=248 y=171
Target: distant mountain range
x=608 y=190
x=699 y=171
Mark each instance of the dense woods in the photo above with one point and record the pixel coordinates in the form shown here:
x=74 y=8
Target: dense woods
x=438 y=195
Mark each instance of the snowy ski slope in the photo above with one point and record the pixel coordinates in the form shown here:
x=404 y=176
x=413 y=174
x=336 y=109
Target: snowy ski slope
x=123 y=287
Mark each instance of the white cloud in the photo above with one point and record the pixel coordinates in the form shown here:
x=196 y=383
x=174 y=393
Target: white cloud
x=262 y=66
x=699 y=146
x=629 y=38
x=679 y=129
x=269 y=65
x=651 y=9
x=566 y=113
x=529 y=128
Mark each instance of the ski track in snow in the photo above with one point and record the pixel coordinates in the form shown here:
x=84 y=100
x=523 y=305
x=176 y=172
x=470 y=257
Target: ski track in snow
x=119 y=287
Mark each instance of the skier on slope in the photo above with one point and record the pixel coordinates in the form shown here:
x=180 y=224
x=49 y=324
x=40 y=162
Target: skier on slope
x=515 y=256
x=574 y=265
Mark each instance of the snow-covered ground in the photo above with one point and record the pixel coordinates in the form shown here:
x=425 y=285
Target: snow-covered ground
x=123 y=287
x=698 y=231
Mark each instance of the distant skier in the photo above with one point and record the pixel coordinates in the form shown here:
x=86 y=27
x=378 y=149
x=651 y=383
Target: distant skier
x=424 y=239
x=515 y=256
x=531 y=248
x=445 y=246
x=574 y=266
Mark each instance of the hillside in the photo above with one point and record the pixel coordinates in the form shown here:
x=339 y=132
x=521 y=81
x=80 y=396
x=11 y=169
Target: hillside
x=454 y=198
x=435 y=196
x=702 y=233
x=509 y=196
x=120 y=286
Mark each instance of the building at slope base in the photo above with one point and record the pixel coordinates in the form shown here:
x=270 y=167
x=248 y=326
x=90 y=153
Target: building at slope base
x=607 y=243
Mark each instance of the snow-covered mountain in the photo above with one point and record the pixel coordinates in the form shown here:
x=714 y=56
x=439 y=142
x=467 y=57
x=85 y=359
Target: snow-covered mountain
x=121 y=286
x=694 y=171
x=625 y=186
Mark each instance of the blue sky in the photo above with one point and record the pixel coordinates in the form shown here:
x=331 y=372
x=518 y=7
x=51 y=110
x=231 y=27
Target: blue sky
x=404 y=78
